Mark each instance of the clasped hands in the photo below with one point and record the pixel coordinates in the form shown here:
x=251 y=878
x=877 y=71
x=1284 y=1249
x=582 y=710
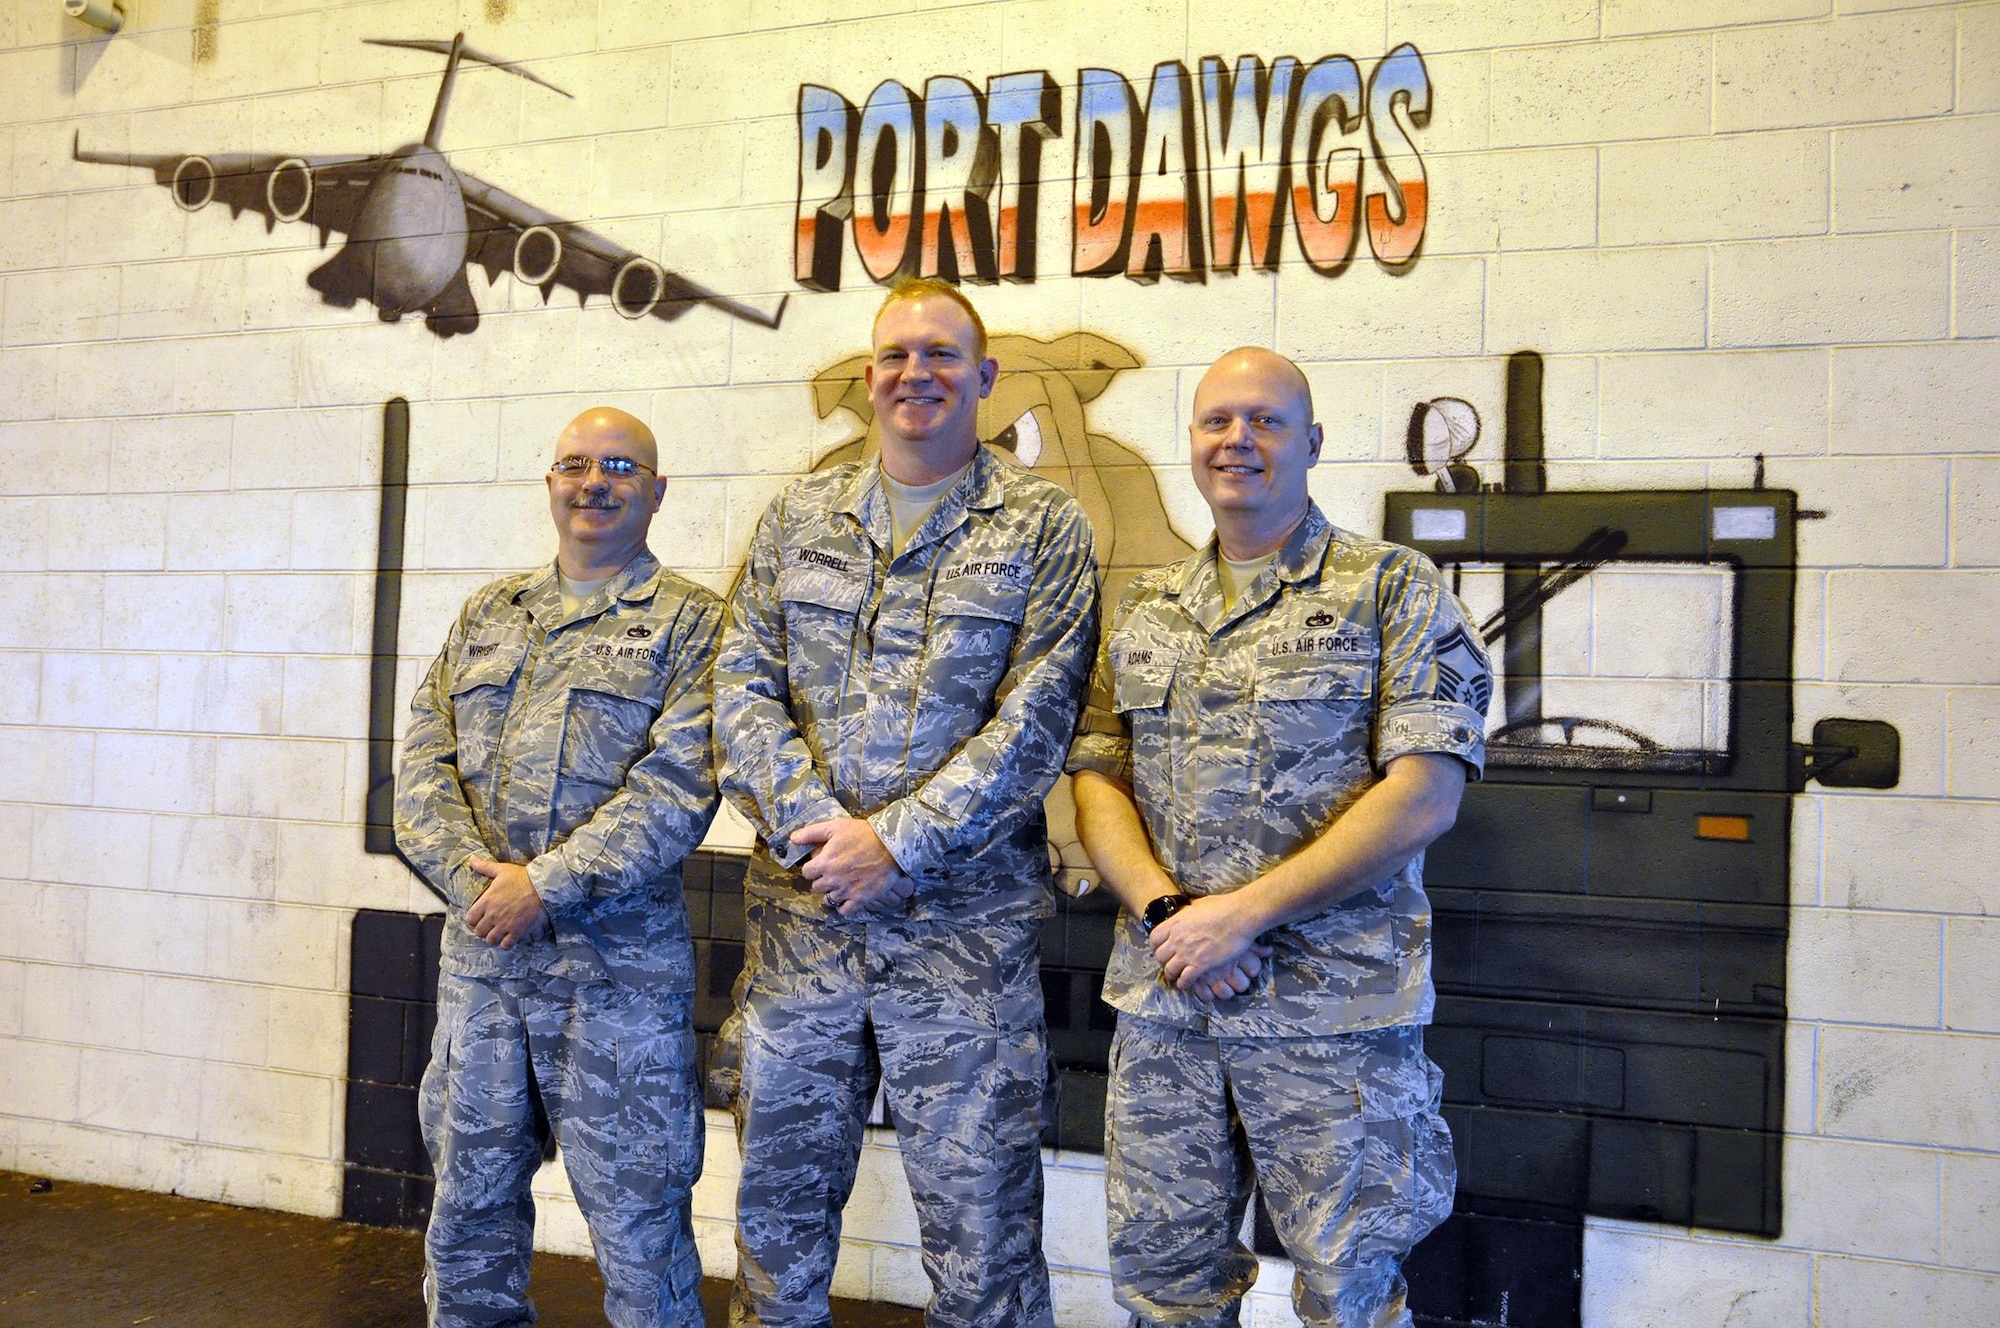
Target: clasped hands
x=508 y=912
x=851 y=869
x=1210 y=948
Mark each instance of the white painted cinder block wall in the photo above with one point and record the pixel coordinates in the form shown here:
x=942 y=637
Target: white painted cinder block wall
x=1733 y=226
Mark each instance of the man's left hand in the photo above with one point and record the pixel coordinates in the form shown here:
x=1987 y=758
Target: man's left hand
x=850 y=867
x=507 y=912
x=1210 y=932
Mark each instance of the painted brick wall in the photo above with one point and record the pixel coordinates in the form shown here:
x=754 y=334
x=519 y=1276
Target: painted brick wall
x=1733 y=227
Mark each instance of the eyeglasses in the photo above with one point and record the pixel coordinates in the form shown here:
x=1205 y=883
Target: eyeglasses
x=612 y=468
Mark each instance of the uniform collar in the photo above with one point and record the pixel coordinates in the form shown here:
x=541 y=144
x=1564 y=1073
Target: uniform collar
x=982 y=488
x=542 y=596
x=1198 y=588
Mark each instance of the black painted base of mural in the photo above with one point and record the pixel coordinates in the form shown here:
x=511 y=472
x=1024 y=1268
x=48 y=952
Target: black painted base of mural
x=1486 y=1268
x=1519 y=1266
x=392 y=1008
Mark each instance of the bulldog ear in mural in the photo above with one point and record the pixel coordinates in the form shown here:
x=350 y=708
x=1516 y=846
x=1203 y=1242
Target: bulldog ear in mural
x=414 y=222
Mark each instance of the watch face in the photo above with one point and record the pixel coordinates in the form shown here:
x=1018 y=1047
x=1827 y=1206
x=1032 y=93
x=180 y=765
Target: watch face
x=1163 y=908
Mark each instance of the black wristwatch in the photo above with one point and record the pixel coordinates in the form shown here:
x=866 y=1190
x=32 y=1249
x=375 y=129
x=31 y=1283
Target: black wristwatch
x=1161 y=909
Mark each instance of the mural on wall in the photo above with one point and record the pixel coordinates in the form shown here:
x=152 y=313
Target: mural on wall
x=1612 y=907
x=1186 y=174
x=1611 y=911
x=414 y=223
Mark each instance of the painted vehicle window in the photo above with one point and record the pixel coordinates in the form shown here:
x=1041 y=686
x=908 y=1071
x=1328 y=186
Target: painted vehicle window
x=1636 y=666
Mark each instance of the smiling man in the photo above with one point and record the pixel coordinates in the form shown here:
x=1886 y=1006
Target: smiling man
x=1277 y=726
x=897 y=685
x=556 y=771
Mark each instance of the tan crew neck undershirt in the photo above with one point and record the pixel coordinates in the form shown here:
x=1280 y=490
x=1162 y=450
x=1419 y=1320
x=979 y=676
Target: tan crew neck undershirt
x=910 y=505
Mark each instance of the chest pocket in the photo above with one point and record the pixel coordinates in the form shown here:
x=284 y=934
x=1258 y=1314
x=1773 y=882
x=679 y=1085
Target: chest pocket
x=1304 y=678
x=997 y=598
x=612 y=706
x=482 y=688
x=809 y=590
x=1141 y=687
x=974 y=620
x=1315 y=720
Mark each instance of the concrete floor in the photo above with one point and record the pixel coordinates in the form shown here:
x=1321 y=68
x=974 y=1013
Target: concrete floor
x=87 y=1256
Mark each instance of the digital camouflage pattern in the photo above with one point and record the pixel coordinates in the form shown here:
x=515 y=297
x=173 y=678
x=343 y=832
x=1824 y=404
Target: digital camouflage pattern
x=1353 y=1158
x=579 y=745
x=958 y=1036
x=615 y=1068
x=933 y=694
x=1245 y=734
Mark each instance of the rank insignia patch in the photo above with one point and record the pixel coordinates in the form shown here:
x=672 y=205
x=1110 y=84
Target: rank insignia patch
x=1461 y=671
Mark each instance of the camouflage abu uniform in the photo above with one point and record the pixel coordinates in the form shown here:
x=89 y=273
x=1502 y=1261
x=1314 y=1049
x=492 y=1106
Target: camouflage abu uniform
x=1244 y=734
x=579 y=745
x=935 y=694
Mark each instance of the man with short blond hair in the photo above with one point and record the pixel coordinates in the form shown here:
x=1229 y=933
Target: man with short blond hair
x=896 y=688
x=1276 y=728
x=556 y=771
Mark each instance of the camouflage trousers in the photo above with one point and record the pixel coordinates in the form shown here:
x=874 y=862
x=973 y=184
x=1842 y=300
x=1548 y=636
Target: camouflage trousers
x=1342 y=1133
x=958 y=1035
x=614 y=1068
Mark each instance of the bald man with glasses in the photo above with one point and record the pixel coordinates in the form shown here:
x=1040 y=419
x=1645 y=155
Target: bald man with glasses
x=555 y=773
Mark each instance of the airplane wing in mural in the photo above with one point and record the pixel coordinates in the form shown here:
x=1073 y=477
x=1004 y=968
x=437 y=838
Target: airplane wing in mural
x=323 y=191
x=414 y=224
x=505 y=233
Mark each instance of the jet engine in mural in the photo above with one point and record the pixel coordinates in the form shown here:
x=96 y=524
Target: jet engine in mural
x=414 y=222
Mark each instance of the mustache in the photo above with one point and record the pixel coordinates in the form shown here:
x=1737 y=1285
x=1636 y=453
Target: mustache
x=594 y=504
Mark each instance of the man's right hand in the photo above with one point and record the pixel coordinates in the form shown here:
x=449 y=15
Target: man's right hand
x=850 y=867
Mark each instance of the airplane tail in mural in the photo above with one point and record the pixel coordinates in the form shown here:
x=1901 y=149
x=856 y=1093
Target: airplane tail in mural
x=456 y=50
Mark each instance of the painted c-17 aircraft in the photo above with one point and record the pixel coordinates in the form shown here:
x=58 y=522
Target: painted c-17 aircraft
x=414 y=222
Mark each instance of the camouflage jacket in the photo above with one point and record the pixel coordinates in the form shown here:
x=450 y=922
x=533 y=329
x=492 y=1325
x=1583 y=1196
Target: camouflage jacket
x=580 y=746
x=1245 y=734
x=933 y=693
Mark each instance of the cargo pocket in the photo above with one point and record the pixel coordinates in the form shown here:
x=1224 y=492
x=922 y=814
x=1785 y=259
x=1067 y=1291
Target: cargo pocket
x=1408 y=1173
x=434 y=1092
x=661 y=1130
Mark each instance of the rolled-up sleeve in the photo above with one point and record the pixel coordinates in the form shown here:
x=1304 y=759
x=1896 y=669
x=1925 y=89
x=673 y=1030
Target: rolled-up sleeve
x=1102 y=741
x=1435 y=681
